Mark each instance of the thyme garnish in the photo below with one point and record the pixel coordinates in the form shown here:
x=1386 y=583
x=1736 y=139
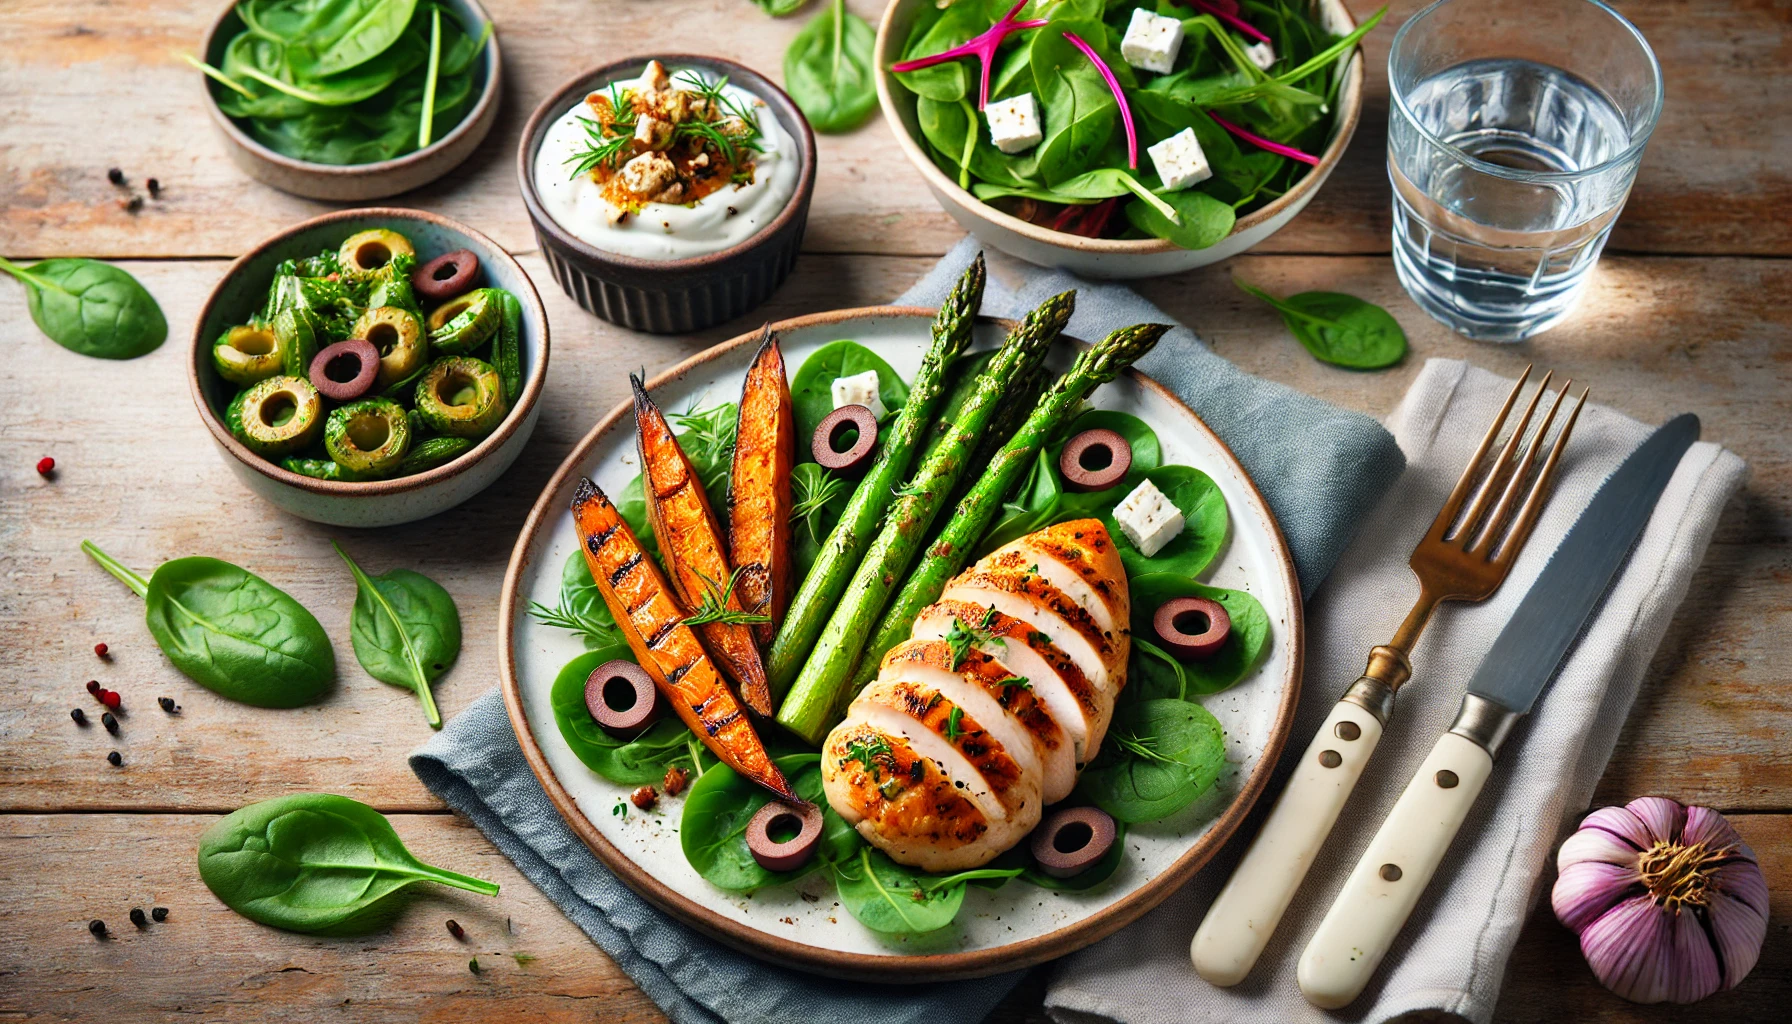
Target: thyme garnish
x=812 y=500
x=715 y=605
x=568 y=617
x=867 y=755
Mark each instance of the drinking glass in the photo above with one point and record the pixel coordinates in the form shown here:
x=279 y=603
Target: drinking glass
x=1514 y=135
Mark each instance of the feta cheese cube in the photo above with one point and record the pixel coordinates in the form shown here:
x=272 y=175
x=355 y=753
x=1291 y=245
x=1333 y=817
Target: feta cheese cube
x=1151 y=41
x=859 y=389
x=1179 y=160
x=1261 y=54
x=1014 y=123
x=1148 y=518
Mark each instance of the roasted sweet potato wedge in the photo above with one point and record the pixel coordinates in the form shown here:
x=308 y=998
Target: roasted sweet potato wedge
x=759 y=498
x=691 y=543
x=653 y=624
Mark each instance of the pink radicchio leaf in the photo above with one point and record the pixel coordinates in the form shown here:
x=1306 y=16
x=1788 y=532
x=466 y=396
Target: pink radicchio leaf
x=1262 y=143
x=982 y=46
x=1664 y=818
x=1227 y=12
x=1107 y=75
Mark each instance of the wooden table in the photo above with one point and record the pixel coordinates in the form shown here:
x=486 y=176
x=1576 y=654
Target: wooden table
x=1689 y=311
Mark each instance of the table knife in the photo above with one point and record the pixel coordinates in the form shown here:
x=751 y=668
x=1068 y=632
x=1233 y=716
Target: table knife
x=1391 y=876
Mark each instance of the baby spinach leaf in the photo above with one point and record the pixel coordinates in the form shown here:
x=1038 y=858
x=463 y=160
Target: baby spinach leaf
x=1203 y=512
x=1159 y=757
x=886 y=897
x=828 y=70
x=1076 y=107
x=314 y=862
x=91 y=307
x=1339 y=329
x=812 y=389
x=713 y=828
x=581 y=609
x=232 y=631
x=1036 y=505
x=1250 y=637
x=405 y=629
x=369 y=27
x=633 y=761
x=780 y=8
x=1201 y=220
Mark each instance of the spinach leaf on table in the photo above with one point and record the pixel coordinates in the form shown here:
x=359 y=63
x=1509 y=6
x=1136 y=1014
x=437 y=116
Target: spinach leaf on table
x=90 y=307
x=1339 y=329
x=780 y=8
x=713 y=828
x=812 y=388
x=827 y=70
x=1157 y=674
x=630 y=761
x=1159 y=757
x=232 y=631
x=406 y=630
x=314 y=862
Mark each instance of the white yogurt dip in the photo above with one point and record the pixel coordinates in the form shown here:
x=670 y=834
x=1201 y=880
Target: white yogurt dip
x=665 y=231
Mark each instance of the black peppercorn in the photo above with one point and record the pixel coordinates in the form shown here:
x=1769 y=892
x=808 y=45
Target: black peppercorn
x=139 y=918
x=79 y=716
x=115 y=176
x=115 y=759
x=154 y=186
x=133 y=204
x=159 y=913
x=110 y=722
x=97 y=927
x=168 y=704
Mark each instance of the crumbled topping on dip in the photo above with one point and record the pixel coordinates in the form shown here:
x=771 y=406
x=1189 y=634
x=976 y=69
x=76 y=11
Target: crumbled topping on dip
x=662 y=139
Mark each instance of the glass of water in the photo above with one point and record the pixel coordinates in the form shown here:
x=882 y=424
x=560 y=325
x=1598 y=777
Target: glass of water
x=1514 y=133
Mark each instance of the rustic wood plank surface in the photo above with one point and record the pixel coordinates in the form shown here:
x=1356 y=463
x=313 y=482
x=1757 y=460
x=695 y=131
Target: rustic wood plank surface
x=1693 y=317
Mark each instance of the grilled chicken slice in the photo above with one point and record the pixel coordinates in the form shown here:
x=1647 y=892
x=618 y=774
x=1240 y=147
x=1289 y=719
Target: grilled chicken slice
x=986 y=715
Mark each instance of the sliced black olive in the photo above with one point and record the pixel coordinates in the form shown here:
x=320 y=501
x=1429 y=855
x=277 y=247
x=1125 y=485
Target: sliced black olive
x=345 y=371
x=1095 y=460
x=792 y=853
x=445 y=276
x=833 y=431
x=1073 y=840
x=1192 y=627
x=622 y=698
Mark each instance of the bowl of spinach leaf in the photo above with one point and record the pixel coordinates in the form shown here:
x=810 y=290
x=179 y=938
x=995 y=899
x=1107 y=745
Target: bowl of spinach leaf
x=1087 y=195
x=350 y=100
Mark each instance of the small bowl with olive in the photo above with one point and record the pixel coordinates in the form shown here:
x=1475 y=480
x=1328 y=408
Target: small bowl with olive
x=371 y=367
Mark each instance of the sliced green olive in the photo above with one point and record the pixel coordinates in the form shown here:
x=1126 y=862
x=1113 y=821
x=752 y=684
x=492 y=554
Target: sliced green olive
x=367 y=251
x=398 y=336
x=461 y=397
x=281 y=415
x=462 y=324
x=247 y=354
x=322 y=469
x=369 y=438
x=296 y=334
x=437 y=451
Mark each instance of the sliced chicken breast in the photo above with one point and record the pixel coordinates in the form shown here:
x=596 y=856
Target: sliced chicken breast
x=1080 y=559
x=1035 y=601
x=938 y=728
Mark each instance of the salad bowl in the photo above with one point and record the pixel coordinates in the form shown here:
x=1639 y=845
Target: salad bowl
x=1110 y=258
x=802 y=923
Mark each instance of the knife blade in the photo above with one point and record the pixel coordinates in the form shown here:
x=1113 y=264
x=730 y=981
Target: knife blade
x=1387 y=882
x=1524 y=657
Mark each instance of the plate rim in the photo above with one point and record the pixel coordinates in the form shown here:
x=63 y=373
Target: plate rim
x=888 y=968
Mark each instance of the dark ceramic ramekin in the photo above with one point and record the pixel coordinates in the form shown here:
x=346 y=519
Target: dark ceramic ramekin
x=672 y=296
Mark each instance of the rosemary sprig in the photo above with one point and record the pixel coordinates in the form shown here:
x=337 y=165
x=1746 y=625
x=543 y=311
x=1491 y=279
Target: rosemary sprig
x=715 y=605
x=708 y=435
x=606 y=144
x=868 y=754
x=1143 y=747
x=568 y=617
x=812 y=500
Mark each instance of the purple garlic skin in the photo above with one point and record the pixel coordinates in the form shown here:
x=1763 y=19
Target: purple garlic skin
x=1669 y=903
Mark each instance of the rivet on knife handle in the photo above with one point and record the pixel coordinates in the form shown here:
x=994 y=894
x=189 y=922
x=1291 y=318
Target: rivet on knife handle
x=1246 y=913
x=1391 y=876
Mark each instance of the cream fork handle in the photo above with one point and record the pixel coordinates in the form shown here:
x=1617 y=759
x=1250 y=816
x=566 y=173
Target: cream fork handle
x=1393 y=873
x=1246 y=913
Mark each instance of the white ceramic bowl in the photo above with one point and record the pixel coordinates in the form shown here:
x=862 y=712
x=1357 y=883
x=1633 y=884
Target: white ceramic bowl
x=1103 y=257
x=373 y=502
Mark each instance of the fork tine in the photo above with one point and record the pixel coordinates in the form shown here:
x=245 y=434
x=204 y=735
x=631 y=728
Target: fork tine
x=1502 y=466
x=1494 y=528
x=1453 y=504
x=1533 y=504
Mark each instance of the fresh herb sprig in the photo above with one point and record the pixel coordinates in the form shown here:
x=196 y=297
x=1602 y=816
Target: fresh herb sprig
x=606 y=142
x=568 y=616
x=715 y=605
x=812 y=499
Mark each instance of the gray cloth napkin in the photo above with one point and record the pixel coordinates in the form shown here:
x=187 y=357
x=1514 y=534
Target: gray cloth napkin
x=1319 y=467
x=1452 y=954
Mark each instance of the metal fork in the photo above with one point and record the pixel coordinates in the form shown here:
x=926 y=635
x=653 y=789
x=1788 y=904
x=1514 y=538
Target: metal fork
x=1463 y=557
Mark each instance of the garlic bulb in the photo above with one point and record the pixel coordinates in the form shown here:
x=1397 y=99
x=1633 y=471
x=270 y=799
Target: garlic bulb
x=1669 y=902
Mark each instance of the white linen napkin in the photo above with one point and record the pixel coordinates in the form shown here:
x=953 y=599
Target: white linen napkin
x=1452 y=954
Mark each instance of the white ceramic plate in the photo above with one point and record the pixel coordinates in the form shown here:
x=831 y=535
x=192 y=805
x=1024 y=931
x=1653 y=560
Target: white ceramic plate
x=802 y=924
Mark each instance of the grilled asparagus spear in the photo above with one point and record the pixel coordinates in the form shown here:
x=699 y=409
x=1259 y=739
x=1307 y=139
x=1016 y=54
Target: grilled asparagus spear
x=808 y=710
x=820 y=590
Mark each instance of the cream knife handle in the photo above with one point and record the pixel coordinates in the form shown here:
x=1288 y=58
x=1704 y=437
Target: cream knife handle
x=1387 y=883
x=1245 y=914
